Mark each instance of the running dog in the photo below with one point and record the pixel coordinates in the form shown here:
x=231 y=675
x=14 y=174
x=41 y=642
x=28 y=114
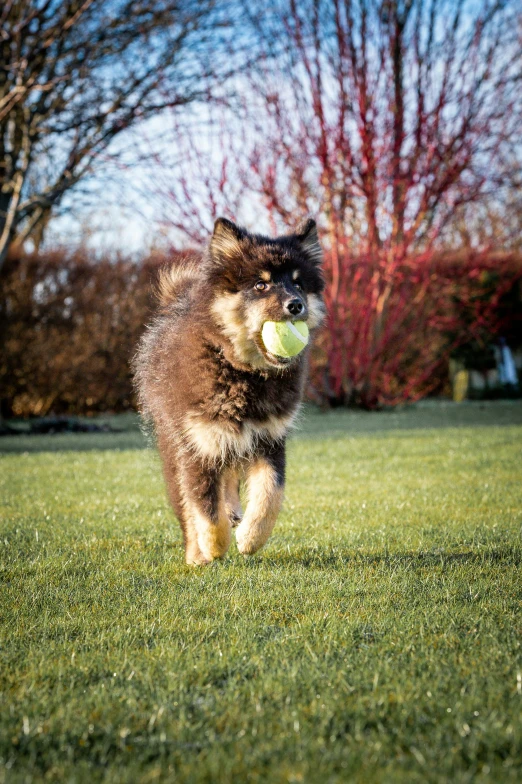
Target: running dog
x=220 y=403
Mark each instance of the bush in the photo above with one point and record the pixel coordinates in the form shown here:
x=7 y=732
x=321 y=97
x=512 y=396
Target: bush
x=70 y=324
x=393 y=322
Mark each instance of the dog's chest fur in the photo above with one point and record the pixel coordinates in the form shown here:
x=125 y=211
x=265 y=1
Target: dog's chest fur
x=242 y=408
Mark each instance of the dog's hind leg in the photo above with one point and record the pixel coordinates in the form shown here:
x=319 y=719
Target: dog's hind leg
x=231 y=491
x=193 y=554
x=265 y=490
x=203 y=492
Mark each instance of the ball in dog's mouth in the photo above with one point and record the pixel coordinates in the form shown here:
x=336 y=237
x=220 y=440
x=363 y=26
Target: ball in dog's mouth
x=272 y=359
x=284 y=340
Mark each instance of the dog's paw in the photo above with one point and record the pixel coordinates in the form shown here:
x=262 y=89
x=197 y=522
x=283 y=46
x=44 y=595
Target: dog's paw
x=194 y=556
x=197 y=560
x=246 y=543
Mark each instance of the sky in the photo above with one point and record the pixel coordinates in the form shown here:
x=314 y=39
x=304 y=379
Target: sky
x=126 y=205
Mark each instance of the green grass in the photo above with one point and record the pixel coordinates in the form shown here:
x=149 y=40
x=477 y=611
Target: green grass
x=376 y=638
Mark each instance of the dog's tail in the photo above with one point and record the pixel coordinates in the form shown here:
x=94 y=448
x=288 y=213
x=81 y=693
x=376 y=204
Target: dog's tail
x=174 y=279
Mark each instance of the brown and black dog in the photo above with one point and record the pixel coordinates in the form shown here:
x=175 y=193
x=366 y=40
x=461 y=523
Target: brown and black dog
x=221 y=405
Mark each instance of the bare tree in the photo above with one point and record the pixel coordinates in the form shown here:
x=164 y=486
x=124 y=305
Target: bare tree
x=396 y=122
x=74 y=74
x=391 y=119
x=396 y=115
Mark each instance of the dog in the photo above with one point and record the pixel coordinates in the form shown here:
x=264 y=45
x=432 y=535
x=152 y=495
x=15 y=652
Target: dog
x=219 y=402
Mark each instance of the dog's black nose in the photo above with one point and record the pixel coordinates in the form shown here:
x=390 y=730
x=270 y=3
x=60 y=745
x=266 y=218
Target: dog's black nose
x=294 y=307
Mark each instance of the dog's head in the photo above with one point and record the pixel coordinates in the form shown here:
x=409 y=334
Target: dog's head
x=256 y=279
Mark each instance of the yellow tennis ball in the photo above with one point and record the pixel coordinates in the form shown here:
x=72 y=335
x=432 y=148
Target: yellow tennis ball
x=285 y=338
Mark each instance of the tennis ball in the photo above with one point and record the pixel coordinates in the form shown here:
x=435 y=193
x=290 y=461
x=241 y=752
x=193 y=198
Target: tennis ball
x=285 y=338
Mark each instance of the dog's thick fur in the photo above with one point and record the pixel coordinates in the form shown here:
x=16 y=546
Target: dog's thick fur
x=220 y=403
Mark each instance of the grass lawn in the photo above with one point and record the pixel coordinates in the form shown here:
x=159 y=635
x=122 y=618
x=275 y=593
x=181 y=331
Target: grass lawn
x=377 y=638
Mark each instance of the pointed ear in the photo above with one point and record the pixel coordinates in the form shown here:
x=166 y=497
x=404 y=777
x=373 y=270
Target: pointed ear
x=306 y=235
x=225 y=242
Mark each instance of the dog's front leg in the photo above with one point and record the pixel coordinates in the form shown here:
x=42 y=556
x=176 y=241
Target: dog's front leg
x=205 y=507
x=265 y=490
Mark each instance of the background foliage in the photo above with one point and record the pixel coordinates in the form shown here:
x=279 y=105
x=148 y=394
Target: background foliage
x=71 y=321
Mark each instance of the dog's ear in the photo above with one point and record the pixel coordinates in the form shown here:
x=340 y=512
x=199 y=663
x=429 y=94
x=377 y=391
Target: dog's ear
x=225 y=242
x=307 y=237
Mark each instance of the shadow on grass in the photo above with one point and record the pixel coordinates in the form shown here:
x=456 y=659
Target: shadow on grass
x=426 y=415
x=337 y=557
x=72 y=442
x=124 y=432
x=315 y=424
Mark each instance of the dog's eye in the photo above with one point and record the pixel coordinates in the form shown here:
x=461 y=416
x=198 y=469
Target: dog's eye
x=298 y=284
x=261 y=285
